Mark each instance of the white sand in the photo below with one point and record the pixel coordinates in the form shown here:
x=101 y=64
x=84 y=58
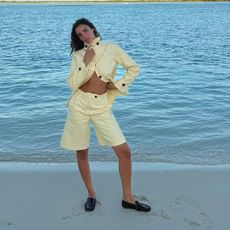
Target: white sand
x=51 y=197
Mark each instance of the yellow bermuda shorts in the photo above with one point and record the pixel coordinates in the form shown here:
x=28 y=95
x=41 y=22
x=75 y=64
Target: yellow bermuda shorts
x=84 y=109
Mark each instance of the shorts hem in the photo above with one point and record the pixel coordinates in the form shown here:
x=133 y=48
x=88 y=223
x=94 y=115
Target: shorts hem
x=112 y=144
x=74 y=148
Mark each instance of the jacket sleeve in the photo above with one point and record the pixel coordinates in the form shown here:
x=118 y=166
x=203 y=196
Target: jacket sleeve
x=131 y=69
x=78 y=73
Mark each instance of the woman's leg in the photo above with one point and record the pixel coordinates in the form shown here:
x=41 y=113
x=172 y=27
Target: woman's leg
x=84 y=168
x=125 y=169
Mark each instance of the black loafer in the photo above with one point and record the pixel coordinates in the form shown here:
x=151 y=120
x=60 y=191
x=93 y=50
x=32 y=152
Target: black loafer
x=90 y=204
x=137 y=206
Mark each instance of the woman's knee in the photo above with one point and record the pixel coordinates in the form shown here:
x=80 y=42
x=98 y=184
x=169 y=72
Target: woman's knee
x=122 y=151
x=82 y=154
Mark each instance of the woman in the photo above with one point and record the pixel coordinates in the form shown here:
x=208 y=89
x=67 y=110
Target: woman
x=94 y=89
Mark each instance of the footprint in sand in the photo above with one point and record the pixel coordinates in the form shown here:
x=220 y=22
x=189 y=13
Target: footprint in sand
x=183 y=201
x=5 y=223
x=193 y=224
x=78 y=211
x=162 y=214
x=202 y=222
x=190 y=209
x=205 y=220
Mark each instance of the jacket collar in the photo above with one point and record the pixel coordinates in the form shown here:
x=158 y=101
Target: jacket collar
x=93 y=44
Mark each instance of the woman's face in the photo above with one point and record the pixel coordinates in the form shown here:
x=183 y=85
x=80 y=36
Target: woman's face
x=85 y=33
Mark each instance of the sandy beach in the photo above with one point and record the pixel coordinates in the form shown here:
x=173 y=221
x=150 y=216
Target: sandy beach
x=51 y=196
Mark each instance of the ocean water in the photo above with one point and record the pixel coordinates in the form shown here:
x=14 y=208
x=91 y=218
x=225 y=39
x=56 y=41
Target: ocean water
x=178 y=108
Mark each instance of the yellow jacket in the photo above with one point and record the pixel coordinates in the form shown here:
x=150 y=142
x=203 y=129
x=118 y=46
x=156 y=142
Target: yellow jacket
x=107 y=57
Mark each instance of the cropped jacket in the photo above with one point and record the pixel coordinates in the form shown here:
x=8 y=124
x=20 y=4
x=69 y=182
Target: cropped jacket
x=107 y=57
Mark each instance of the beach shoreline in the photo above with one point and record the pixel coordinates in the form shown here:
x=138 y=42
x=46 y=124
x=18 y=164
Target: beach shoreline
x=109 y=166
x=105 y=1
x=52 y=196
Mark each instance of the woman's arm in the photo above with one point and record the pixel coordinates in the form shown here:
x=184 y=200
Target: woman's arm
x=131 y=69
x=79 y=72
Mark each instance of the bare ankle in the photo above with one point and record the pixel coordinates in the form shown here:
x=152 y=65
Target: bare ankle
x=92 y=194
x=129 y=199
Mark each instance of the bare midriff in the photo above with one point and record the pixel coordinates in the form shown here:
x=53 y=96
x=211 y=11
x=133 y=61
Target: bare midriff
x=94 y=85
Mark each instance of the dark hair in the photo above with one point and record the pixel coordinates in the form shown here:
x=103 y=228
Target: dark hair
x=76 y=43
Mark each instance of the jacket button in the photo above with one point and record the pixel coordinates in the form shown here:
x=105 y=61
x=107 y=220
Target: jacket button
x=99 y=76
x=86 y=46
x=95 y=96
x=123 y=84
x=97 y=43
x=79 y=68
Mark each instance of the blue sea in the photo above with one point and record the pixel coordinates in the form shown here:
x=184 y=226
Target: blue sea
x=178 y=108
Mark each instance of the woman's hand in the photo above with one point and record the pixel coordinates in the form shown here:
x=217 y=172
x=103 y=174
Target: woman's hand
x=89 y=55
x=110 y=86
